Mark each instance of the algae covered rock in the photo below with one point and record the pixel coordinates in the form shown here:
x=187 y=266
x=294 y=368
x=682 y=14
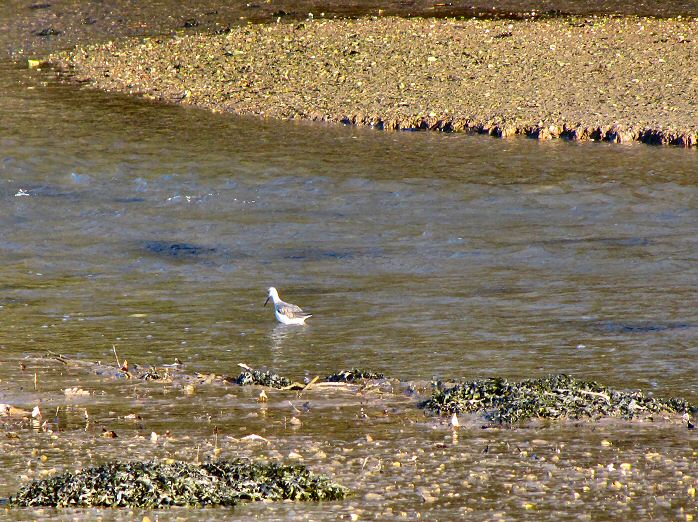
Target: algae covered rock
x=552 y=397
x=155 y=484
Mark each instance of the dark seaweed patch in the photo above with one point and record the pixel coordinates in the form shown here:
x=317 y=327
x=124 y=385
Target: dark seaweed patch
x=553 y=397
x=154 y=374
x=262 y=378
x=156 y=485
x=353 y=375
x=49 y=31
x=274 y=380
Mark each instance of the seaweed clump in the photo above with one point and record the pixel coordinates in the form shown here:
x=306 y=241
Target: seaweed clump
x=262 y=378
x=552 y=397
x=274 y=380
x=154 y=484
x=354 y=374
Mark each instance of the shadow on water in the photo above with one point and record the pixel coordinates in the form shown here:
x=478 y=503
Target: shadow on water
x=638 y=327
x=179 y=251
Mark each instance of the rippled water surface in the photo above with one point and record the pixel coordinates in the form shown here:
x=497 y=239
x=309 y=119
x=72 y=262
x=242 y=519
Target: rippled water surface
x=157 y=230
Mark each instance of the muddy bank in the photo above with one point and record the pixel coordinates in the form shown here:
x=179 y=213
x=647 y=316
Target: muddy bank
x=615 y=79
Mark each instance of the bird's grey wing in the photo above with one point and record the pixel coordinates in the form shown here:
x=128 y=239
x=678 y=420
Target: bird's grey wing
x=290 y=310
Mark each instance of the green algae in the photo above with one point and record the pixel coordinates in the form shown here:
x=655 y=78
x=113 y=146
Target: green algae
x=552 y=397
x=155 y=484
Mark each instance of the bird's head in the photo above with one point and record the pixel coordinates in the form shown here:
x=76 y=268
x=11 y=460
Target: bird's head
x=271 y=294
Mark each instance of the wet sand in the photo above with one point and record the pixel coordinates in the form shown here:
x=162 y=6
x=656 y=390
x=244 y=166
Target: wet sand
x=616 y=79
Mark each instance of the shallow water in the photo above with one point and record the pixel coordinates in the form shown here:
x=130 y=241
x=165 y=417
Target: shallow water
x=157 y=229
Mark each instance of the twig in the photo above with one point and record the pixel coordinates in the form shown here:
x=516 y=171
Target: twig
x=118 y=364
x=307 y=386
x=57 y=356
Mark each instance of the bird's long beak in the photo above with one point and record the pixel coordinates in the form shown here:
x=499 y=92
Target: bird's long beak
x=265 y=302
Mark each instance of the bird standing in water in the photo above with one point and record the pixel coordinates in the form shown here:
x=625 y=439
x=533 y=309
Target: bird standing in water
x=286 y=313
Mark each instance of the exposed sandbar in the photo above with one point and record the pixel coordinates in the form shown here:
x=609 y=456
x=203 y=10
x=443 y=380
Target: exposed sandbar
x=616 y=79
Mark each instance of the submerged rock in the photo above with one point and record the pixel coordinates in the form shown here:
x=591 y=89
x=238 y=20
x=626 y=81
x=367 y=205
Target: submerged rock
x=156 y=485
x=552 y=397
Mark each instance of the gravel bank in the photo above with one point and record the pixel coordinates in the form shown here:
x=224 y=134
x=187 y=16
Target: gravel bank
x=617 y=79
